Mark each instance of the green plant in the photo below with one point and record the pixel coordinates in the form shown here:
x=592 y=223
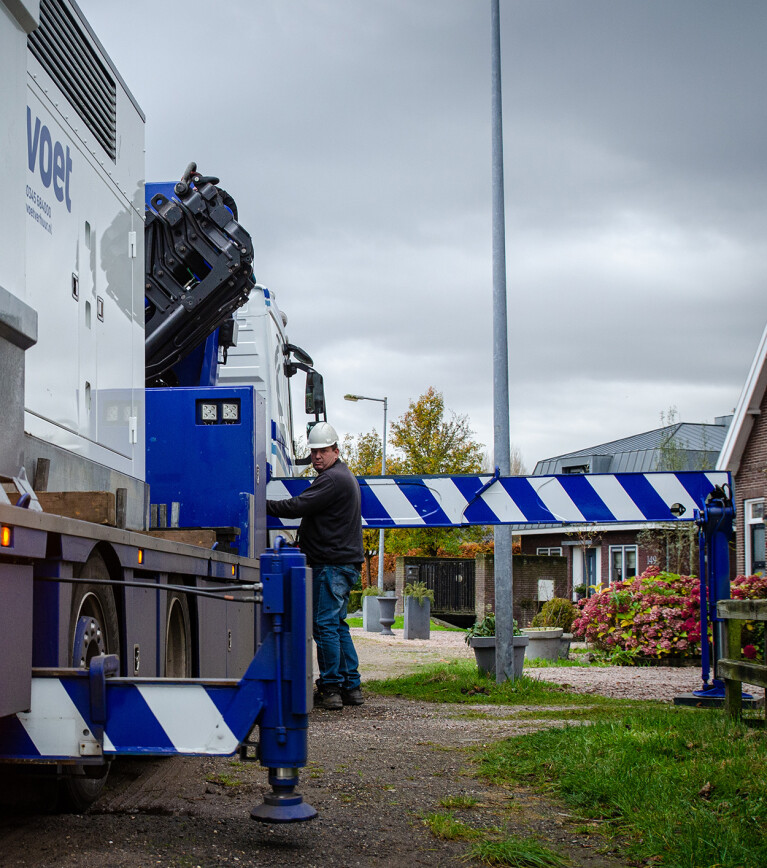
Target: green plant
x=459 y=802
x=556 y=613
x=371 y=591
x=516 y=852
x=419 y=591
x=486 y=627
x=448 y=828
x=355 y=601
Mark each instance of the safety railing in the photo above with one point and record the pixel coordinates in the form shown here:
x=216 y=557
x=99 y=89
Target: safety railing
x=733 y=670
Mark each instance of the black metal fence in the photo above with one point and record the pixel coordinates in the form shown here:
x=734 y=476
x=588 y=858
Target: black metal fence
x=451 y=581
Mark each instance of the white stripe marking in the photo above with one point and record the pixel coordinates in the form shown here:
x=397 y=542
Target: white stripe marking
x=616 y=498
x=672 y=491
x=394 y=502
x=499 y=501
x=53 y=723
x=449 y=498
x=189 y=717
x=556 y=499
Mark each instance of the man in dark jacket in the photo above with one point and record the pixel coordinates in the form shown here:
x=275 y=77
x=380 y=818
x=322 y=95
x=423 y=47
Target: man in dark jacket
x=330 y=536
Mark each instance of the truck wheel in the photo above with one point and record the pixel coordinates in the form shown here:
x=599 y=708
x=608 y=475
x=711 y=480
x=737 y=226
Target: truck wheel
x=178 y=637
x=94 y=629
x=100 y=633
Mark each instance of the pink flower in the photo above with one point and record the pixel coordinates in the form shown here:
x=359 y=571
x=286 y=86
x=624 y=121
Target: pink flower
x=749 y=652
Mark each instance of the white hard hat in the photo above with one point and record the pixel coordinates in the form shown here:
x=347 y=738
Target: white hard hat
x=322 y=434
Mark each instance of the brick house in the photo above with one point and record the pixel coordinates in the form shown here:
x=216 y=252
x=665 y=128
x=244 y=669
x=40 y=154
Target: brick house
x=603 y=554
x=744 y=454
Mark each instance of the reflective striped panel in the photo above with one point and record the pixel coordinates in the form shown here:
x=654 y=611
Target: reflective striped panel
x=455 y=501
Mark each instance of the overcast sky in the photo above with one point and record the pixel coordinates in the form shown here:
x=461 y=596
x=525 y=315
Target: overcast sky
x=355 y=137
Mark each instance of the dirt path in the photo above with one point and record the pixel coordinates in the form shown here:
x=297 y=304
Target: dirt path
x=374 y=773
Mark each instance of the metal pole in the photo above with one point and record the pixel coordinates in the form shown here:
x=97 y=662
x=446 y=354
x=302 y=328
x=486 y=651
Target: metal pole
x=385 y=402
x=504 y=596
x=381 y=531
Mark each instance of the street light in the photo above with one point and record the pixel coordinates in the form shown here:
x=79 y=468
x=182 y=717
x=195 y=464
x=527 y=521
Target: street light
x=385 y=402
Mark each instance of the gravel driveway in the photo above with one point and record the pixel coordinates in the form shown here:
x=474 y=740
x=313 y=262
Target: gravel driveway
x=374 y=773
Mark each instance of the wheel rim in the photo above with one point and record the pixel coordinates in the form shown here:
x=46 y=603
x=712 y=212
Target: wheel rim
x=176 y=650
x=89 y=640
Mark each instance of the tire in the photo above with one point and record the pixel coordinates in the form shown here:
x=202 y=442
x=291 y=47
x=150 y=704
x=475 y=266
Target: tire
x=96 y=602
x=94 y=628
x=178 y=637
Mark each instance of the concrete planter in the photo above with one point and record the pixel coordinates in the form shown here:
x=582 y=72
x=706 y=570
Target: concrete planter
x=564 y=645
x=544 y=642
x=371 y=615
x=386 y=606
x=484 y=653
x=417 y=615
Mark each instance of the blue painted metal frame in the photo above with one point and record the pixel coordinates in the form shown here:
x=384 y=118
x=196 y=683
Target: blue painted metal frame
x=209 y=469
x=274 y=693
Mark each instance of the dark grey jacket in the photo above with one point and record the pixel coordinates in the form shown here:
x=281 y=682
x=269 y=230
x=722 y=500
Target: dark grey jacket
x=331 y=526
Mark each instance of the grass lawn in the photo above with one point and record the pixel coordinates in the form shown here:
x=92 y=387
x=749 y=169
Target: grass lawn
x=679 y=787
x=399 y=624
x=683 y=787
x=459 y=681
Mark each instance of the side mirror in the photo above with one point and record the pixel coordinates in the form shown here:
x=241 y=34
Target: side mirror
x=315 y=393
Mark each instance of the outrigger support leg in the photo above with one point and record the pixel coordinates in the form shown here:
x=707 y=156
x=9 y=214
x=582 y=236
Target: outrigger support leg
x=287 y=608
x=283 y=804
x=715 y=526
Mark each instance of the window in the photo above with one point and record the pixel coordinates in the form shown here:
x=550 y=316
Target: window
x=623 y=563
x=549 y=550
x=755 y=540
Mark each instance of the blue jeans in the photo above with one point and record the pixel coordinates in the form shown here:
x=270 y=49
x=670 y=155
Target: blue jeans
x=336 y=656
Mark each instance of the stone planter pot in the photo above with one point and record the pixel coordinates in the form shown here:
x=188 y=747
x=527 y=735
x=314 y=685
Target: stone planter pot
x=564 y=645
x=417 y=615
x=386 y=606
x=544 y=642
x=484 y=653
x=371 y=615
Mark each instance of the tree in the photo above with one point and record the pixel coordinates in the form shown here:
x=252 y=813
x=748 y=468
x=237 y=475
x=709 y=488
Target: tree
x=429 y=442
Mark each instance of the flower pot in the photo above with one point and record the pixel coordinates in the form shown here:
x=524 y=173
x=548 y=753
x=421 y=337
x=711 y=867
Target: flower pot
x=386 y=606
x=484 y=653
x=417 y=615
x=564 y=645
x=544 y=642
x=371 y=614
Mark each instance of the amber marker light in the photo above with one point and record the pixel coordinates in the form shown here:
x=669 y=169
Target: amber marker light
x=233 y=570
x=6 y=536
x=141 y=556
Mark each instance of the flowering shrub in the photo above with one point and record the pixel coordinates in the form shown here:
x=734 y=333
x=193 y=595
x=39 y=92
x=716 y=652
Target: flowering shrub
x=656 y=614
x=752 y=632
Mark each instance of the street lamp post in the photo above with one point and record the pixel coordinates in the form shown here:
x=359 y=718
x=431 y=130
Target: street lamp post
x=385 y=402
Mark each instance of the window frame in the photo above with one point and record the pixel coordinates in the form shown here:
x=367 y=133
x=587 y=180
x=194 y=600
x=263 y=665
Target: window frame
x=750 y=521
x=623 y=550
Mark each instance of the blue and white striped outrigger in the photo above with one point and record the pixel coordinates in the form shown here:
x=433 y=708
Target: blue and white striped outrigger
x=459 y=501
x=86 y=716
